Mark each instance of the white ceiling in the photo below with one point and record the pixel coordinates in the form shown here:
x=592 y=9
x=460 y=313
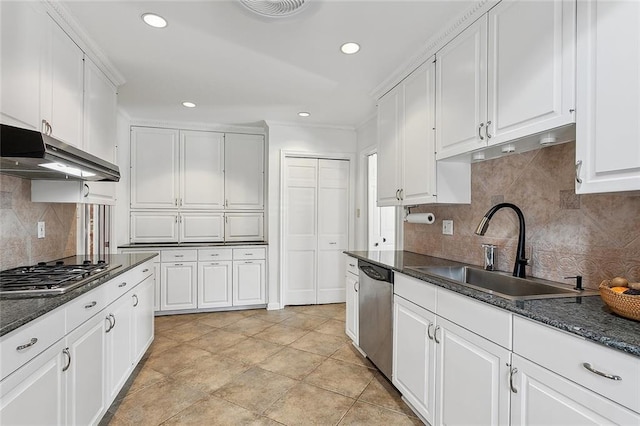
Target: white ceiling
x=240 y=68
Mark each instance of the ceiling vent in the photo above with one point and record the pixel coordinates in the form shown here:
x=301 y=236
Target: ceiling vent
x=274 y=8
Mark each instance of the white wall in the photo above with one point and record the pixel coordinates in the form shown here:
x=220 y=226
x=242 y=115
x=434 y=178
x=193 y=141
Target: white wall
x=367 y=137
x=285 y=137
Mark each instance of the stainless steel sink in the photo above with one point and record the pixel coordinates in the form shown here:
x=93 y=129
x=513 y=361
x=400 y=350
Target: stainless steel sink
x=503 y=284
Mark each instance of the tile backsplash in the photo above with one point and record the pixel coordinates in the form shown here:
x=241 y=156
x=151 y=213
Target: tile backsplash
x=595 y=235
x=19 y=242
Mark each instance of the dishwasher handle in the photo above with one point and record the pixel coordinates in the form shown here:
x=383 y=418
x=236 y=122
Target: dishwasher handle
x=372 y=273
x=376 y=272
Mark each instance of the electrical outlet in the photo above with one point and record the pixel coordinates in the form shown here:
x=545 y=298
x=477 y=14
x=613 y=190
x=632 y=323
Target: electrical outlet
x=447 y=227
x=40 y=229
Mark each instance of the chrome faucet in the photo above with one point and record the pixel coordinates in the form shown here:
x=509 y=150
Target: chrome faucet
x=521 y=261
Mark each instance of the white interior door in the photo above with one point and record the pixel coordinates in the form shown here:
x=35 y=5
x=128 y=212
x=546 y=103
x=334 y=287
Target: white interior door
x=333 y=229
x=382 y=220
x=300 y=230
x=316 y=229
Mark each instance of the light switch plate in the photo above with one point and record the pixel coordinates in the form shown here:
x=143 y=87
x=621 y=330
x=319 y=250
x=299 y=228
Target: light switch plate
x=40 y=229
x=447 y=227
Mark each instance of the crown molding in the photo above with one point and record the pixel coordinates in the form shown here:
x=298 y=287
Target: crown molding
x=452 y=29
x=310 y=125
x=260 y=127
x=63 y=17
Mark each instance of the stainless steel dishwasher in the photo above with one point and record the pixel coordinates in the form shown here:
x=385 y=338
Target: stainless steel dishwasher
x=375 y=304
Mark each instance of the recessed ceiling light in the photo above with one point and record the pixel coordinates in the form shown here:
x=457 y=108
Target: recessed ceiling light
x=304 y=114
x=350 y=48
x=188 y=104
x=154 y=20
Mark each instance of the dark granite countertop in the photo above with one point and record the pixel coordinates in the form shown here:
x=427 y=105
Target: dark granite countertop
x=192 y=245
x=15 y=313
x=586 y=316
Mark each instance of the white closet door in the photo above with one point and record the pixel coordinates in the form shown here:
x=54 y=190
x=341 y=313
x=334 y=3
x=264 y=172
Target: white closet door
x=333 y=229
x=300 y=230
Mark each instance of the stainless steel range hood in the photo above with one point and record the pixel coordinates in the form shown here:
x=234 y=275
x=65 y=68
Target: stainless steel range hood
x=33 y=155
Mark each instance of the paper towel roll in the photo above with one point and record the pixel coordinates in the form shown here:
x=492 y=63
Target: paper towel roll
x=427 y=218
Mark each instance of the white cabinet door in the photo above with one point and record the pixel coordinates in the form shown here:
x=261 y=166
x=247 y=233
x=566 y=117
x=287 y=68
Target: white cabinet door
x=389 y=149
x=418 y=152
x=34 y=394
x=461 y=90
x=201 y=227
x=118 y=322
x=157 y=271
x=352 y=318
x=67 y=191
x=608 y=105
x=244 y=171
x=22 y=38
x=201 y=170
x=249 y=286
x=67 y=86
x=244 y=226
x=85 y=376
x=100 y=99
x=414 y=356
x=470 y=369
x=154 y=168
x=531 y=68
x=545 y=398
x=142 y=301
x=178 y=289
x=214 y=284
x=154 y=227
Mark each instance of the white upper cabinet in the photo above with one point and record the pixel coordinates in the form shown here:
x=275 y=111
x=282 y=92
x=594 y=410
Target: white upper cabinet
x=244 y=171
x=63 y=103
x=22 y=36
x=201 y=170
x=100 y=103
x=509 y=75
x=407 y=171
x=608 y=105
x=154 y=168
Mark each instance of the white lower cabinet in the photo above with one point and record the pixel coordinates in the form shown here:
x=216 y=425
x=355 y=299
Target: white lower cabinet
x=34 y=394
x=545 y=398
x=76 y=378
x=351 y=287
x=178 y=286
x=249 y=282
x=214 y=284
x=85 y=372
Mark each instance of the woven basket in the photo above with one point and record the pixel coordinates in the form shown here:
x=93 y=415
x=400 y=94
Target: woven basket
x=625 y=305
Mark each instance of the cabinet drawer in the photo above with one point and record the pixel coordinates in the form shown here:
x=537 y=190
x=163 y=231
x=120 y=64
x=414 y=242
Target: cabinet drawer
x=84 y=307
x=566 y=354
x=179 y=255
x=489 y=322
x=417 y=291
x=125 y=282
x=249 y=253
x=215 y=254
x=23 y=344
x=352 y=265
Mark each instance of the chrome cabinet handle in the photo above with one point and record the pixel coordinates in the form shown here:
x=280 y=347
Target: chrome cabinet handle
x=578 y=167
x=429 y=335
x=109 y=326
x=122 y=285
x=600 y=373
x=480 y=131
x=145 y=270
x=136 y=298
x=352 y=265
x=355 y=286
x=32 y=342
x=512 y=372
x=178 y=255
x=114 y=320
x=176 y=202
x=226 y=203
x=180 y=216
x=332 y=243
x=176 y=218
x=91 y=305
x=397 y=196
x=87 y=190
x=401 y=194
x=486 y=130
x=435 y=334
x=68 y=354
x=181 y=201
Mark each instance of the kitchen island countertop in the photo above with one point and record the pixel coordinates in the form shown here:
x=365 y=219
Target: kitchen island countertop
x=16 y=312
x=586 y=316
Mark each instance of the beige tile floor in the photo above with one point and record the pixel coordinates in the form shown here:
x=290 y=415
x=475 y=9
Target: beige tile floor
x=295 y=366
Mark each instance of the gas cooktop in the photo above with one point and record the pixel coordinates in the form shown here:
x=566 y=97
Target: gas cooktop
x=51 y=278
